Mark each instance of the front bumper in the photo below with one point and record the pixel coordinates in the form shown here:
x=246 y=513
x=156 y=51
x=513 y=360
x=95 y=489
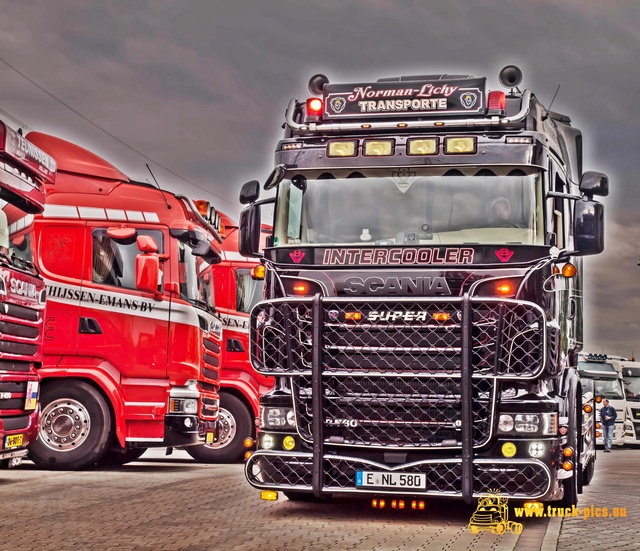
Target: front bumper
x=25 y=425
x=181 y=430
x=515 y=478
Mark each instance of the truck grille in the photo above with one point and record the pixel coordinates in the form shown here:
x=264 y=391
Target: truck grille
x=395 y=377
x=20 y=335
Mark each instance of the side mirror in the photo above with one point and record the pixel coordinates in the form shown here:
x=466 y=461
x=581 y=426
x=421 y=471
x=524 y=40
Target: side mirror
x=250 y=192
x=588 y=227
x=249 y=238
x=594 y=183
x=146 y=244
x=148 y=274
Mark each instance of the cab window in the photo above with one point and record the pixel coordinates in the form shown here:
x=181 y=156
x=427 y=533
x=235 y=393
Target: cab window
x=114 y=263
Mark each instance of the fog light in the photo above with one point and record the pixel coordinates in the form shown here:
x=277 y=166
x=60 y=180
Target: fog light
x=188 y=422
x=536 y=449
x=288 y=443
x=268 y=442
x=508 y=449
x=269 y=495
x=423 y=147
x=454 y=146
x=342 y=149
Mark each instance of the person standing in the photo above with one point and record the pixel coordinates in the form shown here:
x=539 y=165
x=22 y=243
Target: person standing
x=608 y=421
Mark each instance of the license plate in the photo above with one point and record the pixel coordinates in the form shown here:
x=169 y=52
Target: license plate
x=13 y=441
x=401 y=481
x=210 y=438
x=31 y=397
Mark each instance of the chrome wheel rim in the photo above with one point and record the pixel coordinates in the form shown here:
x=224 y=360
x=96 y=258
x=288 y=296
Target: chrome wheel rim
x=64 y=425
x=226 y=429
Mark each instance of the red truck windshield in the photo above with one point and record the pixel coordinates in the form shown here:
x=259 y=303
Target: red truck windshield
x=404 y=206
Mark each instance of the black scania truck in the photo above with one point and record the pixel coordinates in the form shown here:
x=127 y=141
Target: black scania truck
x=423 y=294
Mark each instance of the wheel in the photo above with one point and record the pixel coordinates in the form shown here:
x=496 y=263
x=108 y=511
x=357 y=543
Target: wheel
x=235 y=424
x=76 y=426
x=498 y=529
x=121 y=457
x=587 y=475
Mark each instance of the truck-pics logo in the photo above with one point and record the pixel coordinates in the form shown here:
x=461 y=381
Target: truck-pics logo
x=492 y=514
x=424 y=286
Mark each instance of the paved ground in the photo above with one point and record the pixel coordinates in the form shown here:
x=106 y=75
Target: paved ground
x=173 y=503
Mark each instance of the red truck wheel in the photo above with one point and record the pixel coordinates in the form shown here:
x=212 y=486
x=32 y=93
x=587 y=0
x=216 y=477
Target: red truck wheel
x=75 y=426
x=235 y=424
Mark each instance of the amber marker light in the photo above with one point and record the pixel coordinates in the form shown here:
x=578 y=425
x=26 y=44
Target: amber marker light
x=247 y=455
x=587 y=408
x=504 y=288
x=354 y=316
x=269 y=495
x=568 y=451
x=258 y=272
x=598 y=434
x=202 y=206
x=569 y=270
x=598 y=399
x=441 y=316
x=300 y=288
x=567 y=465
x=248 y=442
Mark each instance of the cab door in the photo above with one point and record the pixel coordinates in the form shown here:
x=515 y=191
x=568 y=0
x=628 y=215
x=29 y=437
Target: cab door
x=118 y=324
x=61 y=256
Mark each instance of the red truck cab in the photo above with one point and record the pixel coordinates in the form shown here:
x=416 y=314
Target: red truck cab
x=24 y=169
x=132 y=344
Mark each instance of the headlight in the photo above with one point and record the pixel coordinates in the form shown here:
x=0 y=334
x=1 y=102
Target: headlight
x=276 y=418
x=183 y=405
x=505 y=424
x=528 y=422
x=549 y=424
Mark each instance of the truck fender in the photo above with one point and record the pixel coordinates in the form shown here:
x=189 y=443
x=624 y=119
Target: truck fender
x=101 y=379
x=249 y=389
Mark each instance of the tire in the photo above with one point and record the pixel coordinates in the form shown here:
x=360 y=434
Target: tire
x=235 y=424
x=121 y=457
x=588 y=473
x=76 y=426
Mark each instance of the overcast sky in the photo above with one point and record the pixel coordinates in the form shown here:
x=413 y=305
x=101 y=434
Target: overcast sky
x=200 y=88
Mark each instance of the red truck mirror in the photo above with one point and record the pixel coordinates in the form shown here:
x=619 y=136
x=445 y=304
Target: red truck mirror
x=148 y=274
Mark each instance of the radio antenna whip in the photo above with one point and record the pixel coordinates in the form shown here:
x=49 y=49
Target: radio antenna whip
x=157 y=184
x=552 y=100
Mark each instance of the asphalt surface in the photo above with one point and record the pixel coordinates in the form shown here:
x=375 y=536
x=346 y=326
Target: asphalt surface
x=173 y=503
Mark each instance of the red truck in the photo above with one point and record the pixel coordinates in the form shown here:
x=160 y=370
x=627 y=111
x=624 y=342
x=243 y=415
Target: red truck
x=131 y=342
x=24 y=170
x=236 y=292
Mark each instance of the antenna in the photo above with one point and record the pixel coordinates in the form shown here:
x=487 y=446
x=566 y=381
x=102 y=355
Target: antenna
x=157 y=184
x=552 y=100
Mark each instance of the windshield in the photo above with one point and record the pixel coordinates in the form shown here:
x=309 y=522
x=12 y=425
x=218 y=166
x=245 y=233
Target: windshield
x=608 y=388
x=248 y=290
x=631 y=377
x=405 y=207
x=196 y=281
